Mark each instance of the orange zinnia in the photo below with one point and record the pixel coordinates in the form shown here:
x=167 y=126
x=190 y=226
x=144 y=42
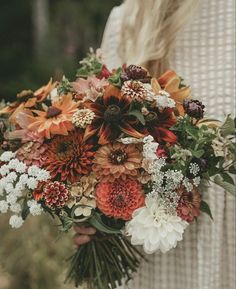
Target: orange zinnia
x=170 y=82
x=57 y=119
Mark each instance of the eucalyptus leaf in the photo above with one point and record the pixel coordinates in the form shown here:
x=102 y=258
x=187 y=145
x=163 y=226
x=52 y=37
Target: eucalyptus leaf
x=225 y=185
x=198 y=153
x=204 y=207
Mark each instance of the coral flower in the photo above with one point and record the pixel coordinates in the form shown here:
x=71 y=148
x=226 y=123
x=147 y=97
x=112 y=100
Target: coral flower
x=112 y=117
x=189 y=204
x=28 y=99
x=170 y=82
x=57 y=119
x=68 y=157
x=158 y=124
x=120 y=198
x=117 y=160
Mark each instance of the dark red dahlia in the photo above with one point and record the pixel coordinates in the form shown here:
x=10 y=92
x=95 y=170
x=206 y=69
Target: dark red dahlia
x=135 y=72
x=55 y=195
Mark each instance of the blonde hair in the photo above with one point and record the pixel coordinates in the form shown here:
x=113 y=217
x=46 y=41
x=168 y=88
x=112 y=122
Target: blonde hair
x=149 y=30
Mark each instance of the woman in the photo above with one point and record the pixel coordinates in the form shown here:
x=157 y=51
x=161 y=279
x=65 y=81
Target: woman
x=195 y=38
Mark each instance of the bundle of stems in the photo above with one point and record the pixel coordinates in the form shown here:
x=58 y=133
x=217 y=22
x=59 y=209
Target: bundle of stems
x=105 y=262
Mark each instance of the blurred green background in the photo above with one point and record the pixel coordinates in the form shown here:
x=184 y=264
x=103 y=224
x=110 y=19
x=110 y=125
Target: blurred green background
x=44 y=38
x=40 y=39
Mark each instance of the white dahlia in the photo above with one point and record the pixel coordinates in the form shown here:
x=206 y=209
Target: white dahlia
x=154 y=228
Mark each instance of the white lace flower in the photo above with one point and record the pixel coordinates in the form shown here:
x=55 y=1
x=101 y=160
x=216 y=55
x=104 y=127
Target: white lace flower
x=194 y=169
x=7 y=156
x=155 y=229
x=11 y=199
x=16 y=221
x=196 y=181
x=3 y=207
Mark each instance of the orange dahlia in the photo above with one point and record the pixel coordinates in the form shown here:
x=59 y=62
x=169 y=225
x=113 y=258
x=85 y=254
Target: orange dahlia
x=117 y=160
x=57 y=119
x=120 y=198
x=68 y=157
x=171 y=82
x=189 y=204
x=111 y=117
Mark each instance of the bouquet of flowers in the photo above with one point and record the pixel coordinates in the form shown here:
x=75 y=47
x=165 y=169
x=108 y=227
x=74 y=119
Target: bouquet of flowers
x=121 y=151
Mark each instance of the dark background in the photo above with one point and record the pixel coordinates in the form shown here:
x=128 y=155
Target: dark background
x=44 y=38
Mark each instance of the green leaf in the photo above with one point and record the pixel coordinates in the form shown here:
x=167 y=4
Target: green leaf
x=25 y=211
x=232 y=169
x=139 y=116
x=228 y=127
x=96 y=221
x=193 y=131
x=225 y=185
x=198 y=153
x=115 y=79
x=227 y=178
x=204 y=207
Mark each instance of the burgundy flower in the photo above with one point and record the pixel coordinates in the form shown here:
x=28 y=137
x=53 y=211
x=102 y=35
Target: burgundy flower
x=194 y=108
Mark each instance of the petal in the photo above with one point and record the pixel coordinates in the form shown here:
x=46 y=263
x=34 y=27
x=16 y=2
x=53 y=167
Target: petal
x=129 y=130
x=105 y=134
x=164 y=78
x=111 y=93
x=90 y=131
x=155 y=85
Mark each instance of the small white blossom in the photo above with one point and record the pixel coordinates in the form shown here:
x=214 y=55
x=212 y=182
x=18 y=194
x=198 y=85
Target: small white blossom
x=194 y=169
x=196 y=181
x=33 y=171
x=21 y=168
x=43 y=175
x=11 y=177
x=11 y=199
x=32 y=183
x=16 y=221
x=188 y=185
x=35 y=208
x=9 y=188
x=163 y=100
x=15 y=208
x=13 y=164
x=23 y=179
x=3 y=207
x=4 y=170
x=7 y=156
x=130 y=140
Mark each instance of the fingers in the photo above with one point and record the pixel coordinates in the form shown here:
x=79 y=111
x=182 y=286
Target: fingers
x=81 y=239
x=85 y=230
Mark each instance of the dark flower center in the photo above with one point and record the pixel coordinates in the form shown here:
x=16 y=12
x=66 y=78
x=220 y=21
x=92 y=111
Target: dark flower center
x=112 y=113
x=118 y=157
x=53 y=111
x=151 y=118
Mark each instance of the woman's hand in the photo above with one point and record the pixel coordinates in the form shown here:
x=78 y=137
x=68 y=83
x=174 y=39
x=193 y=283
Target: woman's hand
x=83 y=235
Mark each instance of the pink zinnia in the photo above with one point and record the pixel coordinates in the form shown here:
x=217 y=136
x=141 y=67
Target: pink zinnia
x=120 y=198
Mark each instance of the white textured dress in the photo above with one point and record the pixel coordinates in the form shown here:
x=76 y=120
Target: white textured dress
x=204 y=56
